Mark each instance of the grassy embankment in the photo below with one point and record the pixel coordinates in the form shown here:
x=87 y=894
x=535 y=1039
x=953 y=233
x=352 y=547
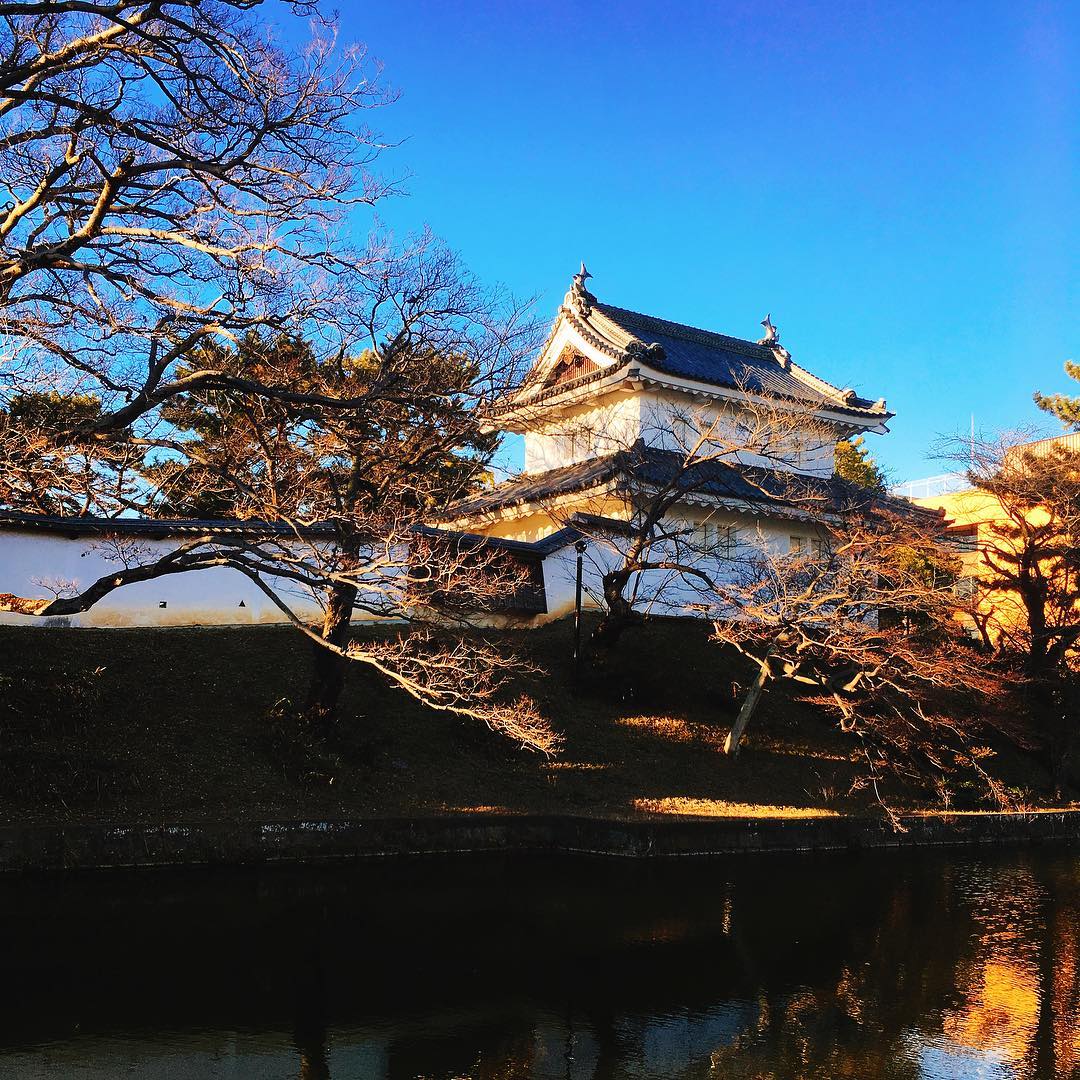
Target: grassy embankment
x=178 y=724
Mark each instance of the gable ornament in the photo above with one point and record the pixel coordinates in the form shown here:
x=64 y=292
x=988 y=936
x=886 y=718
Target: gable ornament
x=645 y=351
x=579 y=298
x=771 y=340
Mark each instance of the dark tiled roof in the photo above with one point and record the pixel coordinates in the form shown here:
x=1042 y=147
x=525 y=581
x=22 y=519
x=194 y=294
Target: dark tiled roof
x=529 y=489
x=780 y=490
x=776 y=488
x=98 y=526
x=705 y=356
x=18 y=520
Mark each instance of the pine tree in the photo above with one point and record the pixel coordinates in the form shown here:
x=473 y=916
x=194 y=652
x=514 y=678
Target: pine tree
x=854 y=463
x=1064 y=407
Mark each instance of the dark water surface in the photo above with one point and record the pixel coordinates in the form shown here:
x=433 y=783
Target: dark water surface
x=884 y=965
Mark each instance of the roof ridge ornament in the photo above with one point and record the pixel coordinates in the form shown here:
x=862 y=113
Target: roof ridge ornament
x=644 y=351
x=579 y=298
x=771 y=340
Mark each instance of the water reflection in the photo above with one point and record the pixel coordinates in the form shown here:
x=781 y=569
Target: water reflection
x=495 y=969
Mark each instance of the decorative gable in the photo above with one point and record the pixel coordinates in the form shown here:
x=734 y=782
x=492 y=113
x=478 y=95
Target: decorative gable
x=570 y=366
x=595 y=349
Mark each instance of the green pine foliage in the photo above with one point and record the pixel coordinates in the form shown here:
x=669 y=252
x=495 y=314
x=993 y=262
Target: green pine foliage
x=416 y=446
x=854 y=463
x=1064 y=407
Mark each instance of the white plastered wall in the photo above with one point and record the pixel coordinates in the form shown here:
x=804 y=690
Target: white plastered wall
x=32 y=561
x=673 y=420
x=576 y=434
x=661 y=593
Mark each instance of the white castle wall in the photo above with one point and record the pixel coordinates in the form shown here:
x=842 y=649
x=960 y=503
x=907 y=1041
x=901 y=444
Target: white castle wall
x=672 y=420
x=667 y=420
x=593 y=431
x=32 y=561
x=660 y=592
x=35 y=563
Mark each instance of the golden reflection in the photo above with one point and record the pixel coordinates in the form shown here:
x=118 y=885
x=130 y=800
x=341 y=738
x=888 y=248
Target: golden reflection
x=1065 y=995
x=1020 y=988
x=1001 y=1013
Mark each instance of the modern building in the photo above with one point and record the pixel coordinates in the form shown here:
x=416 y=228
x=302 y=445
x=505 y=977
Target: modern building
x=974 y=519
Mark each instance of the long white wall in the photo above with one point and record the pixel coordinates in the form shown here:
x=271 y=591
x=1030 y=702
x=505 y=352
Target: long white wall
x=40 y=564
x=30 y=562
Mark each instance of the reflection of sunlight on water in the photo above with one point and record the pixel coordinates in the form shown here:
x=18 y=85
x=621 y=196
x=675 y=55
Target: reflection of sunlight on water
x=951 y=969
x=1001 y=1013
x=938 y=1059
x=991 y=1032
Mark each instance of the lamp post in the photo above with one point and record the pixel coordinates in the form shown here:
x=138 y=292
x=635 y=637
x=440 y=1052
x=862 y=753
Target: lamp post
x=579 y=547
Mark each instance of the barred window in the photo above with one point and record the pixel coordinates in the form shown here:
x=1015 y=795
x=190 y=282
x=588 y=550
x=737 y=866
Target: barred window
x=716 y=539
x=814 y=546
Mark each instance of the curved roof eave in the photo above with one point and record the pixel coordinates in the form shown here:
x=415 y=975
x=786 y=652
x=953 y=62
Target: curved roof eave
x=614 y=338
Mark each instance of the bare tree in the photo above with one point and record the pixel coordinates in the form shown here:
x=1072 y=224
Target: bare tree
x=334 y=500
x=665 y=531
x=1027 y=573
x=694 y=518
x=172 y=176
x=186 y=330
x=869 y=618
x=1029 y=548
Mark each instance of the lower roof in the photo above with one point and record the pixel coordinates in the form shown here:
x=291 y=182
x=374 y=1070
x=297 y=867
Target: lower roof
x=779 y=490
x=89 y=525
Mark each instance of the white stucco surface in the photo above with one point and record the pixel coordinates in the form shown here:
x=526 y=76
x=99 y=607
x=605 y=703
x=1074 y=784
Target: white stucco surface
x=40 y=564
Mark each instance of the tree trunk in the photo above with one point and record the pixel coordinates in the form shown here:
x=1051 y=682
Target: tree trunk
x=749 y=705
x=619 y=613
x=328 y=668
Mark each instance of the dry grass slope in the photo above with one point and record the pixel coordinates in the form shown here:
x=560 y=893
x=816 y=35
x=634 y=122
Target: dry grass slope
x=179 y=724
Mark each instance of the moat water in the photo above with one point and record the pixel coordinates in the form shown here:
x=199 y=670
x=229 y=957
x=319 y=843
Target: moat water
x=915 y=965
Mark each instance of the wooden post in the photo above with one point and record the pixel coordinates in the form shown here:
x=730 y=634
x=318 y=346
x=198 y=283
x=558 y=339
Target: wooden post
x=579 y=547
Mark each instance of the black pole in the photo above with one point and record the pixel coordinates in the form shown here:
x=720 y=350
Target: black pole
x=579 y=547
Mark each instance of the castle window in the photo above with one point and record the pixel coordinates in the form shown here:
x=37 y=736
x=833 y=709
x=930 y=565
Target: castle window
x=716 y=540
x=814 y=546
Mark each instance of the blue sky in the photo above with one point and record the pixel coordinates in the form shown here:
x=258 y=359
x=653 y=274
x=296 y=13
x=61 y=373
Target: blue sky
x=895 y=182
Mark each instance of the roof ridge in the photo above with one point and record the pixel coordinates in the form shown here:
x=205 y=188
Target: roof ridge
x=692 y=333
x=842 y=397
x=843 y=394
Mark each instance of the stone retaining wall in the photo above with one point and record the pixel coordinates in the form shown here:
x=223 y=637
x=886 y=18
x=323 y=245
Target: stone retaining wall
x=66 y=847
